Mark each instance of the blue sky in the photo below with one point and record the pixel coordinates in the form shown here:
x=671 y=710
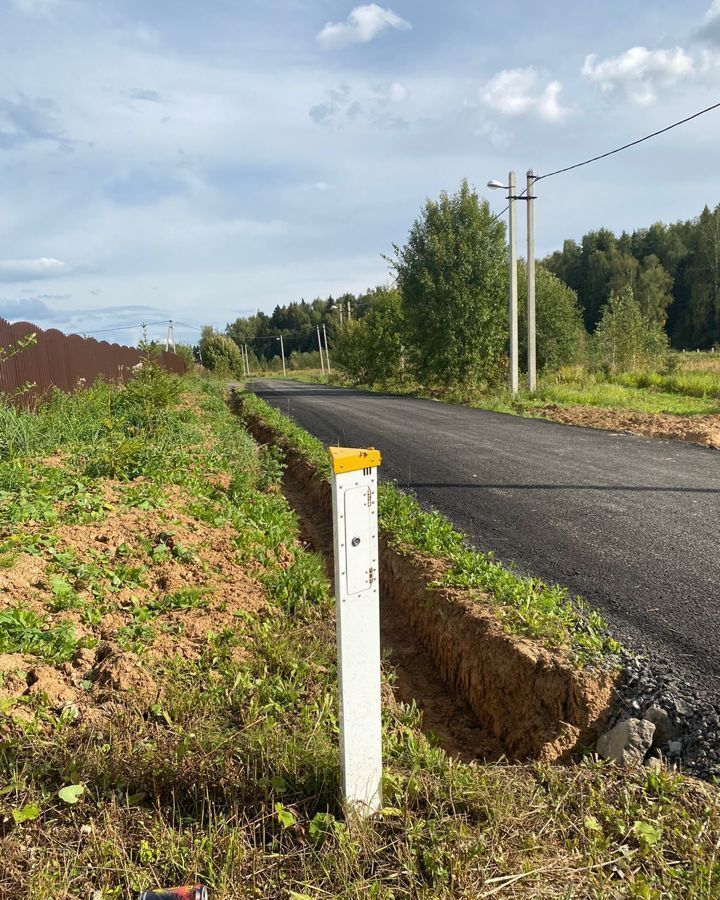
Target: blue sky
x=202 y=160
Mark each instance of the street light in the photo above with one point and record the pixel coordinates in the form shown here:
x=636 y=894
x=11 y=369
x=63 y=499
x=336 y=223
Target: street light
x=529 y=198
x=282 y=353
x=513 y=298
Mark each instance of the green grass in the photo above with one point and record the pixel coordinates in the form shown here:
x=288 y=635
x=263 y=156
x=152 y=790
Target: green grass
x=231 y=776
x=23 y=631
x=692 y=389
x=526 y=606
x=610 y=395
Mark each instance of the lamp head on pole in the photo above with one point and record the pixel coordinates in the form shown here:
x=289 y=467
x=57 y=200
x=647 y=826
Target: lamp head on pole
x=496 y=185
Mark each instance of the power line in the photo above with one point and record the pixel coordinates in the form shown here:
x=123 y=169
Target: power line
x=186 y=325
x=124 y=327
x=641 y=140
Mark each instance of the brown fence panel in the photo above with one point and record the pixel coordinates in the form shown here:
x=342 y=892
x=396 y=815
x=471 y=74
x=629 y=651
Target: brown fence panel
x=66 y=362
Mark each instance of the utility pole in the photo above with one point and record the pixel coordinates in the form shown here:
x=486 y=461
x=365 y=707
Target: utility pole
x=513 y=295
x=247 y=359
x=513 y=299
x=327 y=354
x=531 y=338
x=349 y=311
x=282 y=353
x=322 y=364
x=170 y=339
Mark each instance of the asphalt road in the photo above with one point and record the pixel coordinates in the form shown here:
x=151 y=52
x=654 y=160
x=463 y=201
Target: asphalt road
x=631 y=524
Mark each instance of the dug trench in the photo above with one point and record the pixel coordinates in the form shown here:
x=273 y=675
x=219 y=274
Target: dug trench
x=484 y=693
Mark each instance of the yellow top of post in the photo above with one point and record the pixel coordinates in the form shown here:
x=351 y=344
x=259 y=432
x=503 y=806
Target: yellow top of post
x=349 y=459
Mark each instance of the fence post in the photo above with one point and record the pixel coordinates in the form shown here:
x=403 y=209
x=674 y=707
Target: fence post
x=357 y=611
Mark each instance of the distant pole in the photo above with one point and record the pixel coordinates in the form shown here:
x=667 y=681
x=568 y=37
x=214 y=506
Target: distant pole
x=531 y=337
x=349 y=311
x=513 y=299
x=247 y=359
x=282 y=353
x=340 y=307
x=170 y=339
x=327 y=354
x=322 y=363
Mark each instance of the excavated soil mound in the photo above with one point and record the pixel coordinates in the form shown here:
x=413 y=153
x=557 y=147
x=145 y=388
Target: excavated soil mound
x=703 y=430
x=535 y=703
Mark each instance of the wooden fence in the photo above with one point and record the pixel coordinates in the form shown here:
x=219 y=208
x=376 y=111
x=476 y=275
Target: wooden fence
x=64 y=361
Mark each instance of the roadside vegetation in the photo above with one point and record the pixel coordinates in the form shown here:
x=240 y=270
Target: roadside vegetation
x=168 y=705
x=526 y=607
x=607 y=311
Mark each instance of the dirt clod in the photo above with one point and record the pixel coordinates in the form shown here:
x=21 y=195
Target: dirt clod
x=49 y=682
x=121 y=671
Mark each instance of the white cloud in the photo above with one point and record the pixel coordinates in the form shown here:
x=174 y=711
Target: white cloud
x=516 y=92
x=639 y=72
x=361 y=26
x=31 y=269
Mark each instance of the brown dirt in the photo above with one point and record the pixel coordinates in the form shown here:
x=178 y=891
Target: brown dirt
x=227 y=590
x=523 y=698
x=694 y=429
x=116 y=670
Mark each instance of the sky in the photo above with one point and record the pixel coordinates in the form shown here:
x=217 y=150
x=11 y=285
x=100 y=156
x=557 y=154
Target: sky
x=201 y=161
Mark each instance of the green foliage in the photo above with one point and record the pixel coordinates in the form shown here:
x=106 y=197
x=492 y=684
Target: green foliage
x=22 y=631
x=625 y=340
x=673 y=270
x=451 y=276
x=220 y=354
x=370 y=350
x=561 y=336
x=186 y=352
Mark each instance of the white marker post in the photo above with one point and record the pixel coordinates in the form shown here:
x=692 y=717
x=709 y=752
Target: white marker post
x=357 y=600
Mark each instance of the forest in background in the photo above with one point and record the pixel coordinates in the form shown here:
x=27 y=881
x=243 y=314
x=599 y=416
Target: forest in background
x=672 y=271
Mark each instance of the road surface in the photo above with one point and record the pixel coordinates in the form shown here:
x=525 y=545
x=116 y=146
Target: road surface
x=631 y=524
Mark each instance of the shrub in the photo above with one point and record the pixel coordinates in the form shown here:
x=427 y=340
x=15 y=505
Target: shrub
x=625 y=340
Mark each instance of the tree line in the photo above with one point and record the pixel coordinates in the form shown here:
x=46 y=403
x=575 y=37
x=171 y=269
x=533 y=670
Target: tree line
x=608 y=303
x=673 y=270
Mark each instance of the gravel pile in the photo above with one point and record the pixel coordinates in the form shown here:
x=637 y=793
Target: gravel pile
x=692 y=742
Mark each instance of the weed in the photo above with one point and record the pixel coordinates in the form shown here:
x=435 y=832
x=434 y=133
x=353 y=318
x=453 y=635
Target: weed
x=22 y=631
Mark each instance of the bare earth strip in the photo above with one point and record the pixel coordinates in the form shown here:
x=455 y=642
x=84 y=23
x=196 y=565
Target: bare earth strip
x=694 y=429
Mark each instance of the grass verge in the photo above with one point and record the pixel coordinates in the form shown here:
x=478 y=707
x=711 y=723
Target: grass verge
x=206 y=749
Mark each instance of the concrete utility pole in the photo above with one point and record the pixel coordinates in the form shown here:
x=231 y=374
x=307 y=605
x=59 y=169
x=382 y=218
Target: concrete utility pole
x=320 y=348
x=513 y=287
x=282 y=353
x=327 y=354
x=170 y=339
x=513 y=299
x=247 y=359
x=531 y=338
